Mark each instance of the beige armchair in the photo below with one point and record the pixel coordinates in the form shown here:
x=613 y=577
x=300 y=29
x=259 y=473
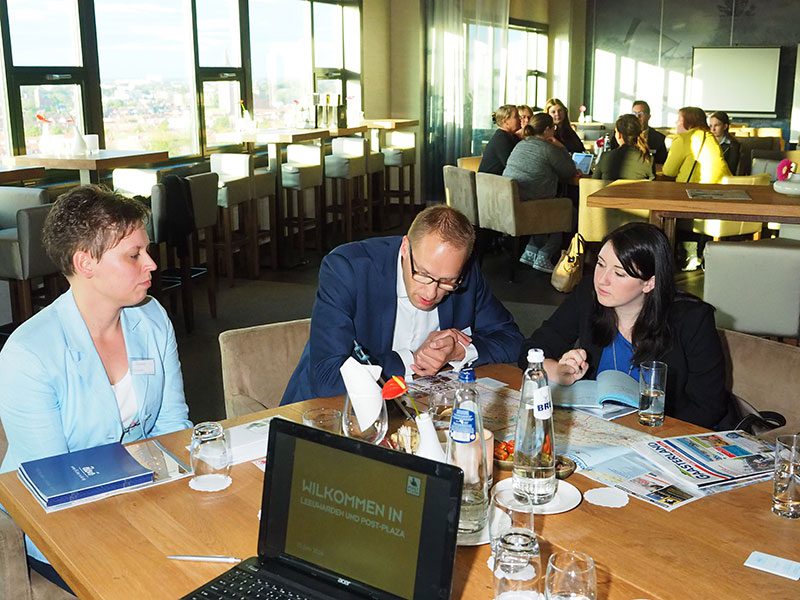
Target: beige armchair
x=764 y=373
x=500 y=209
x=755 y=285
x=15 y=581
x=595 y=223
x=470 y=163
x=460 y=192
x=257 y=363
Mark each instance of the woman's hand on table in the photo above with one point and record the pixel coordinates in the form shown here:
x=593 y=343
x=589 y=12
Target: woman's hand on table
x=571 y=367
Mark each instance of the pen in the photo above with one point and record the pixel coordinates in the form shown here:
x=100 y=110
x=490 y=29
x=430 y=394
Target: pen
x=200 y=558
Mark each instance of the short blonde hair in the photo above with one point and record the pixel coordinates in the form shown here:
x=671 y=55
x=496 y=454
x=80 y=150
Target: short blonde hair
x=450 y=225
x=502 y=114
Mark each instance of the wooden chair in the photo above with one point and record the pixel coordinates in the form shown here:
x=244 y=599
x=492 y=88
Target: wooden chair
x=257 y=363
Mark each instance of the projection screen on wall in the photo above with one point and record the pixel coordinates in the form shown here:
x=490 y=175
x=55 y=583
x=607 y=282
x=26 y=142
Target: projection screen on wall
x=736 y=80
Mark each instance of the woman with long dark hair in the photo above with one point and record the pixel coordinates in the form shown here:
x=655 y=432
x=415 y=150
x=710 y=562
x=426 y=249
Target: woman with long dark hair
x=631 y=312
x=631 y=159
x=719 y=123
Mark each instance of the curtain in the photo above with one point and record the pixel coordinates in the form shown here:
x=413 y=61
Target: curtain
x=465 y=58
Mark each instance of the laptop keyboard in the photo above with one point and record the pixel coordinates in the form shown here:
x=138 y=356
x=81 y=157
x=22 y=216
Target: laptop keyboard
x=242 y=585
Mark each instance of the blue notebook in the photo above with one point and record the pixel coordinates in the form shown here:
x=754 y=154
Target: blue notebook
x=67 y=478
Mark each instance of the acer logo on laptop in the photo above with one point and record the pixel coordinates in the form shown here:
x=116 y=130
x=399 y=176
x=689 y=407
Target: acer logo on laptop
x=343 y=581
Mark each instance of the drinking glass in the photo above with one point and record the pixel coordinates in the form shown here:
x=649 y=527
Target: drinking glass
x=440 y=405
x=652 y=386
x=372 y=433
x=210 y=456
x=326 y=418
x=506 y=514
x=570 y=575
x=517 y=570
x=786 y=490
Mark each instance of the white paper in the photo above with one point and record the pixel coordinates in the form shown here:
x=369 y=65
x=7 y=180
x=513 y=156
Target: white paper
x=363 y=390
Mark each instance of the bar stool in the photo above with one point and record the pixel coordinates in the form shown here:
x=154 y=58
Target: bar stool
x=375 y=190
x=348 y=165
x=399 y=152
x=265 y=198
x=303 y=170
x=236 y=193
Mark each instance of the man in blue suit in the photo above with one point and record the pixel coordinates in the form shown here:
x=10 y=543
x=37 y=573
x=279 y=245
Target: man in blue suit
x=415 y=303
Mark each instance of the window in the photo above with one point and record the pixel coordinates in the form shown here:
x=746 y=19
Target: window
x=34 y=21
x=526 y=81
x=337 y=52
x=221 y=107
x=50 y=114
x=280 y=47
x=218 y=33
x=148 y=103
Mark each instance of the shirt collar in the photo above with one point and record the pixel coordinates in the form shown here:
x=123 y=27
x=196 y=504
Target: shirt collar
x=401 y=284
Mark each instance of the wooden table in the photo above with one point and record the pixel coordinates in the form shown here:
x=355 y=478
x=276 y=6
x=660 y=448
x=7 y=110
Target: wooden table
x=116 y=547
x=90 y=165
x=14 y=174
x=667 y=201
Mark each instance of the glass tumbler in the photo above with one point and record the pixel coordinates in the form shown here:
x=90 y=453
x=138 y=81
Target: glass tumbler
x=517 y=570
x=508 y=514
x=570 y=575
x=211 y=458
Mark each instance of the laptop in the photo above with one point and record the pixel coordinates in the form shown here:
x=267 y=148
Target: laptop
x=344 y=519
x=583 y=161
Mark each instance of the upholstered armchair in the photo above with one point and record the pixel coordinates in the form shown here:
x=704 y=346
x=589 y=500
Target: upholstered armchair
x=461 y=193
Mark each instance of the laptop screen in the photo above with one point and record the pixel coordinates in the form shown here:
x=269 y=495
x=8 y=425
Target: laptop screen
x=364 y=516
x=583 y=161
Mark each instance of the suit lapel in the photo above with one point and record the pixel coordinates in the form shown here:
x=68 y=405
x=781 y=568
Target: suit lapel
x=139 y=353
x=386 y=294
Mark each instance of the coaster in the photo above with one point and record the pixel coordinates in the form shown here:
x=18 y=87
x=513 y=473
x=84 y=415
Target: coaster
x=567 y=497
x=212 y=482
x=606 y=496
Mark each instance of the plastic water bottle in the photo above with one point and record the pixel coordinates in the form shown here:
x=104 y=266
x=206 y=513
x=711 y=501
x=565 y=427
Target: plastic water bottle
x=465 y=449
x=534 y=475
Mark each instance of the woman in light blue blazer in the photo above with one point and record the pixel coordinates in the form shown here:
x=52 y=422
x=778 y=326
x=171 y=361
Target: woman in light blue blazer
x=100 y=364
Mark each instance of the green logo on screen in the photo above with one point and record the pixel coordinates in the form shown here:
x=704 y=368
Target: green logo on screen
x=414 y=486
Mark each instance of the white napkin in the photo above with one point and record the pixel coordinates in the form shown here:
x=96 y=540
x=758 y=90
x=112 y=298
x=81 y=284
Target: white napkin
x=363 y=390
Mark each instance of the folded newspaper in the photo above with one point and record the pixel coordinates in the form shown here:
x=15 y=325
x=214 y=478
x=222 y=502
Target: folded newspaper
x=711 y=460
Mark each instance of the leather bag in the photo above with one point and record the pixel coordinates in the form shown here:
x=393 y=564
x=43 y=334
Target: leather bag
x=569 y=269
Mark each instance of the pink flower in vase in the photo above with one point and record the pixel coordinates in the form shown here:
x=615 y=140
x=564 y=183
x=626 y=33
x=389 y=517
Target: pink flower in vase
x=786 y=168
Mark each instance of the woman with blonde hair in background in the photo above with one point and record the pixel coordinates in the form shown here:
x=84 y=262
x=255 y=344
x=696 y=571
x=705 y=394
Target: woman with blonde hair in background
x=496 y=153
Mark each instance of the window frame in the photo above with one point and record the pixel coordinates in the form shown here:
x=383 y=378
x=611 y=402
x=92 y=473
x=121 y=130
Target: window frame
x=530 y=27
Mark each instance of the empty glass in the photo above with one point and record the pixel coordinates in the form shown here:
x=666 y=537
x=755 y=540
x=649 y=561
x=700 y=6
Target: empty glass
x=570 y=575
x=326 y=418
x=211 y=458
x=517 y=570
x=507 y=514
x=373 y=433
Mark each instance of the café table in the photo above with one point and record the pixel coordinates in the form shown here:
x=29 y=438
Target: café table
x=14 y=174
x=91 y=165
x=116 y=547
x=668 y=201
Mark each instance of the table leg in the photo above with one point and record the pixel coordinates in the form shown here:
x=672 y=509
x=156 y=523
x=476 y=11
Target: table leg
x=666 y=223
x=86 y=177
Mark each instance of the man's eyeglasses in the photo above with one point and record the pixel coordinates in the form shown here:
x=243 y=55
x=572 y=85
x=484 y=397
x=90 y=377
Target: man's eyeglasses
x=446 y=285
x=639 y=113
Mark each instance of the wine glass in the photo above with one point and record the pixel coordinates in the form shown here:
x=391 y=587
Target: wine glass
x=372 y=433
x=571 y=575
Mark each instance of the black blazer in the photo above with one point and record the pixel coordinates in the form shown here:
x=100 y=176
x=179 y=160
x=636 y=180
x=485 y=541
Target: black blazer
x=731 y=152
x=696 y=366
x=495 y=155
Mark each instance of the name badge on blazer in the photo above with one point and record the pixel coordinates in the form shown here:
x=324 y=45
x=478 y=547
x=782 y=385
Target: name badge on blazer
x=144 y=366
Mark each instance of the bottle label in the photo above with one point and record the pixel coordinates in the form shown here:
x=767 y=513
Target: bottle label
x=462 y=426
x=542 y=403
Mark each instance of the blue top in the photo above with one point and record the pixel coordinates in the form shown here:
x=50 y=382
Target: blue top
x=623 y=350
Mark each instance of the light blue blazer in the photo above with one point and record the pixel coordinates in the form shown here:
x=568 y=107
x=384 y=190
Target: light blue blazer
x=55 y=396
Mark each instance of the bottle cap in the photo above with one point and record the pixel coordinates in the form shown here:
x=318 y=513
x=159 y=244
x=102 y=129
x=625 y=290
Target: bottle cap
x=467 y=375
x=535 y=355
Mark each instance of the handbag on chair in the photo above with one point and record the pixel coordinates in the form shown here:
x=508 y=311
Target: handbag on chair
x=569 y=269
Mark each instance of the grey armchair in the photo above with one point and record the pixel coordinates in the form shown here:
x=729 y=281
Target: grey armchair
x=500 y=209
x=460 y=192
x=22 y=256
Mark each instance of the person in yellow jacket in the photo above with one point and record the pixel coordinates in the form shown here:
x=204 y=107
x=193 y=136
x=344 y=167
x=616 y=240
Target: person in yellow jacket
x=695 y=154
